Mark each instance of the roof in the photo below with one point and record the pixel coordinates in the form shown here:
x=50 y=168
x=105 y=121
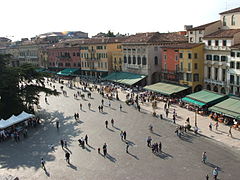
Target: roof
x=223 y=33
x=165 y=88
x=182 y=45
x=204 y=97
x=155 y=37
x=202 y=27
x=229 y=107
x=231 y=11
x=236 y=46
x=124 y=78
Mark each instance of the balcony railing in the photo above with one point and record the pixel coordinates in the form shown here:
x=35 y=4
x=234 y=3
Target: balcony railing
x=218 y=48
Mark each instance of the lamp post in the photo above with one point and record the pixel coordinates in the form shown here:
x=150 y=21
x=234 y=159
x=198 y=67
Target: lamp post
x=196 y=117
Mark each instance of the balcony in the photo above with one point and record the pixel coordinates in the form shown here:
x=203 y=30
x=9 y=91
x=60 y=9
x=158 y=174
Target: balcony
x=217 y=48
x=64 y=58
x=212 y=81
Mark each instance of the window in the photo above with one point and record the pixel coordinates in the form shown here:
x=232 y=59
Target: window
x=139 y=60
x=196 y=77
x=129 y=60
x=223 y=58
x=209 y=72
x=105 y=65
x=216 y=42
x=191 y=32
x=144 y=61
x=232 y=54
x=223 y=74
x=134 y=60
x=200 y=39
x=181 y=66
x=191 y=39
x=180 y=55
x=224 y=42
x=232 y=79
x=238 y=54
x=233 y=20
x=216 y=74
x=195 y=55
x=74 y=64
x=200 y=32
x=189 y=56
x=189 y=77
x=189 y=66
x=125 y=59
x=165 y=66
x=79 y=64
x=195 y=66
x=165 y=57
x=209 y=42
x=176 y=57
x=224 y=21
x=209 y=57
x=238 y=65
x=216 y=58
x=156 y=60
x=238 y=80
x=74 y=54
x=115 y=60
x=120 y=61
x=177 y=68
x=78 y=54
x=232 y=64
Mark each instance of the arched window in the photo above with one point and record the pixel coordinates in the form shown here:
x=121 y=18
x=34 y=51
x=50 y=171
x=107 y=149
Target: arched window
x=125 y=59
x=156 y=60
x=139 y=60
x=129 y=60
x=144 y=61
x=233 y=20
x=134 y=60
x=224 y=21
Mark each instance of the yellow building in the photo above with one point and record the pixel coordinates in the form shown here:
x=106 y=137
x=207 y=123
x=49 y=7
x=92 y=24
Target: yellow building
x=191 y=63
x=98 y=54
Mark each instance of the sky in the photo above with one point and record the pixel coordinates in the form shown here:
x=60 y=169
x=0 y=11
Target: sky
x=28 y=18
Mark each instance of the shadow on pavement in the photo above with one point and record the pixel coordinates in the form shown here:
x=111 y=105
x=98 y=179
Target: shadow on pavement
x=72 y=166
x=112 y=159
x=133 y=155
x=36 y=145
x=163 y=155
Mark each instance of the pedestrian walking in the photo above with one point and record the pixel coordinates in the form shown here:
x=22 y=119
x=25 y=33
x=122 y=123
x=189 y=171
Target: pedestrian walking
x=149 y=140
x=124 y=135
x=207 y=177
x=43 y=164
x=121 y=135
x=67 y=156
x=204 y=157
x=62 y=143
x=46 y=100
x=106 y=124
x=89 y=105
x=80 y=106
x=105 y=149
x=120 y=107
x=210 y=126
x=216 y=125
x=174 y=119
x=102 y=101
x=150 y=128
x=127 y=146
x=86 y=139
x=230 y=131
x=167 y=111
x=99 y=108
x=109 y=103
x=112 y=122
x=160 y=147
x=215 y=173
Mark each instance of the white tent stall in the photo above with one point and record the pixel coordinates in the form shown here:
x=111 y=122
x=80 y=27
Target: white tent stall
x=15 y=120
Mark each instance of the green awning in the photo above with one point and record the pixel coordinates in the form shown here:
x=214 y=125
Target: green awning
x=229 y=107
x=204 y=97
x=124 y=78
x=67 y=72
x=166 y=88
x=192 y=101
x=40 y=69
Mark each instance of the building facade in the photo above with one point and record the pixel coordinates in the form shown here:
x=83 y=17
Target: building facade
x=142 y=54
x=191 y=63
x=234 y=70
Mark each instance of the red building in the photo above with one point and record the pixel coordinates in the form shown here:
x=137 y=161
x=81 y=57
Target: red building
x=170 y=64
x=61 y=56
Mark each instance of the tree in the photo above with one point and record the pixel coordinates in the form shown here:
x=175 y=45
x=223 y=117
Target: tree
x=19 y=88
x=110 y=34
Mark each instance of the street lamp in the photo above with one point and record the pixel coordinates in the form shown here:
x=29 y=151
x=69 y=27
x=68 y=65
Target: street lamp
x=196 y=117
